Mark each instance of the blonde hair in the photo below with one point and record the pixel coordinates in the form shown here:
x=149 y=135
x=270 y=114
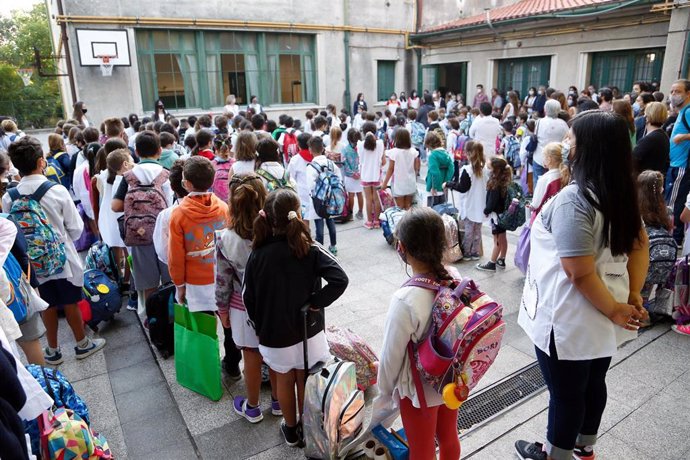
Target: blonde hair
x=553 y=153
x=656 y=113
x=55 y=141
x=230 y=100
x=9 y=125
x=336 y=135
x=246 y=146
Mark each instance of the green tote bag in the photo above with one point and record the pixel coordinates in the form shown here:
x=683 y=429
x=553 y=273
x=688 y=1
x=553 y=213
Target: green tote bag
x=197 y=352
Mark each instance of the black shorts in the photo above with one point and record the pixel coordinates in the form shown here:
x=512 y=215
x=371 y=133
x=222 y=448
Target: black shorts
x=59 y=292
x=497 y=229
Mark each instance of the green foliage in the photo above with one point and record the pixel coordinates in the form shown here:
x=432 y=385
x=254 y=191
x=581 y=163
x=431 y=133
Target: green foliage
x=37 y=105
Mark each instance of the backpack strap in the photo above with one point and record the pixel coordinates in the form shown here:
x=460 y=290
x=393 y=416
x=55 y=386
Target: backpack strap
x=13 y=193
x=131 y=178
x=419 y=388
x=423 y=282
x=42 y=190
x=161 y=178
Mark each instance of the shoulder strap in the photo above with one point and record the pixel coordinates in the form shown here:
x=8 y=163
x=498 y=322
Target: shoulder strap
x=683 y=119
x=42 y=189
x=161 y=178
x=14 y=193
x=266 y=175
x=419 y=388
x=423 y=282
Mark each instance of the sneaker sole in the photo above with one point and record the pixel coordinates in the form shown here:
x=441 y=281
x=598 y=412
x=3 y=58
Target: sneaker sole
x=247 y=417
x=486 y=269
x=277 y=413
x=476 y=258
x=54 y=363
x=90 y=352
x=675 y=329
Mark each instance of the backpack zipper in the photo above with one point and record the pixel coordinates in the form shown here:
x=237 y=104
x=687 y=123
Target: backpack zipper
x=328 y=387
x=349 y=402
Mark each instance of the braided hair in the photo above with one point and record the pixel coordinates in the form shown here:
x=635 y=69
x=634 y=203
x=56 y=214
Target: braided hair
x=423 y=234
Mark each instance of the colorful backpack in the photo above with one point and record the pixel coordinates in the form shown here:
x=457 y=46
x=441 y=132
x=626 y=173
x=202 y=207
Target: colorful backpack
x=100 y=257
x=274 y=183
x=459 y=150
x=290 y=145
x=18 y=284
x=514 y=214
x=662 y=255
x=463 y=339
x=681 y=292
x=221 y=186
x=348 y=346
x=54 y=171
x=143 y=203
x=329 y=194
x=45 y=248
x=64 y=434
x=103 y=296
x=418 y=133
x=512 y=152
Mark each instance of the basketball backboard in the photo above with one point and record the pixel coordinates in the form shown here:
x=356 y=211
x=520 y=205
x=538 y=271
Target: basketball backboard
x=94 y=43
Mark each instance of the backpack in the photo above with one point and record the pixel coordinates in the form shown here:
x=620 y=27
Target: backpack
x=100 y=257
x=463 y=338
x=103 y=296
x=348 y=346
x=418 y=133
x=221 y=186
x=662 y=255
x=514 y=214
x=512 y=152
x=64 y=434
x=274 y=183
x=18 y=300
x=531 y=146
x=55 y=172
x=459 y=149
x=329 y=194
x=290 y=146
x=45 y=248
x=143 y=203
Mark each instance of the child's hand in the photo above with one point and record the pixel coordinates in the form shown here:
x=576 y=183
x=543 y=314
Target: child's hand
x=224 y=317
x=181 y=294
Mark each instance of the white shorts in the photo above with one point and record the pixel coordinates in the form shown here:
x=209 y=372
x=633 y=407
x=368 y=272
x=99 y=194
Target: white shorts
x=243 y=334
x=353 y=185
x=284 y=360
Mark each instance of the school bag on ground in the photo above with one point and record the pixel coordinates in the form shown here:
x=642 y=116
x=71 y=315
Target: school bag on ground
x=143 y=203
x=160 y=312
x=329 y=194
x=453 y=252
x=514 y=215
x=512 y=152
x=348 y=346
x=273 y=183
x=19 y=287
x=290 y=146
x=389 y=221
x=55 y=172
x=103 y=296
x=418 y=133
x=463 y=339
x=386 y=198
x=662 y=255
x=65 y=435
x=100 y=257
x=45 y=248
x=681 y=292
x=221 y=186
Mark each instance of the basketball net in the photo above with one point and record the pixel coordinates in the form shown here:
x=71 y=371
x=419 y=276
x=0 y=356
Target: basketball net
x=106 y=66
x=26 y=75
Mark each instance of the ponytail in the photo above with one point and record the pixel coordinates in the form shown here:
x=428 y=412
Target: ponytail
x=370 y=141
x=279 y=217
x=565 y=174
x=298 y=237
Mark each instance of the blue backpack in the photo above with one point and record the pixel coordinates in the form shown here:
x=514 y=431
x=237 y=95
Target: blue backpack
x=55 y=172
x=418 y=133
x=102 y=294
x=100 y=257
x=512 y=152
x=329 y=194
x=45 y=248
x=19 y=296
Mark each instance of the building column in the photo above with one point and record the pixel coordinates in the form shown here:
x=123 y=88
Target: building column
x=676 y=55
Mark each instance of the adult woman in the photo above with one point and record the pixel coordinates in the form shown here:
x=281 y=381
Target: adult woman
x=652 y=151
x=572 y=104
x=624 y=109
x=588 y=262
x=414 y=100
x=529 y=99
x=254 y=105
x=159 y=112
x=548 y=129
x=511 y=108
x=360 y=103
x=640 y=122
x=231 y=105
x=79 y=113
x=560 y=97
x=393 y=104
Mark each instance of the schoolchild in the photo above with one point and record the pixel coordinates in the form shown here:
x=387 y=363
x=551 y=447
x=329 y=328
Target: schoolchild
x=500 y=177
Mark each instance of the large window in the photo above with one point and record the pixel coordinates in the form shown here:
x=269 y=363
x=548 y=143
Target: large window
x=623 y=68
x=199 y=69
x=385 y=74
x=521 y=74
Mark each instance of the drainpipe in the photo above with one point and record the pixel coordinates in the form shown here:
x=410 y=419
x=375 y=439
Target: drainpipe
x=488 y=21
x=347 y=100
x=68 y=55
x=419 y=5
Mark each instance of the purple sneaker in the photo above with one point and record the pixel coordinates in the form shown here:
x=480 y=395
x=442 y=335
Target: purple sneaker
x=275 y=408
x=252 y=414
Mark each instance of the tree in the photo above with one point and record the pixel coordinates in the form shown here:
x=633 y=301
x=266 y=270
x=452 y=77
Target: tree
x=37 y=105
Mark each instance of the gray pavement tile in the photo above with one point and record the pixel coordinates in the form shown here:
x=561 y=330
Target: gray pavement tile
x=98 y=395
x=79 y=369
x=630 y=391
x=646 y=366
x=280 y=452
x=610 y=446
x=675 y=340
x=135 y=377
x=181 y=450
x=141 y=402
x=127 y=354
x=240 y=439
x=120 y=334
x=502 y=448
x=147 y=435
x=508 y=361
x=116 y=441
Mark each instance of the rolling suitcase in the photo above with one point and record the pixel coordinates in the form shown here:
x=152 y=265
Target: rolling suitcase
x=160 y=312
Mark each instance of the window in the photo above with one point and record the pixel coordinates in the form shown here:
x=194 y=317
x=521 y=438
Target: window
x=385 y=73
x=521 y=74
x=623 y=68
x=199 y=69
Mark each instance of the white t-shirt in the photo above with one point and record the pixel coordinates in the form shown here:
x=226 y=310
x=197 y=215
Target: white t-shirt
x=486 y=130
x=548 y=130
x=232 y=108
x=404 y=176
x=370 y=161
x=243 y=166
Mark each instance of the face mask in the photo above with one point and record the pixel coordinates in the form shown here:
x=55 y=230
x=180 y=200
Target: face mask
x=84 y=110
x=572 y=93
x=566 y=149
x=636 y=107
x=677 y=100
x=531 y=93
x=571 y=103
x=479 y=91
x=540 y=92
x=401 y=253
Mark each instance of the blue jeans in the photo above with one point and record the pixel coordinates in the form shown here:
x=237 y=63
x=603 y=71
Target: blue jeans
x=537 y=170
x=677 y=188
x=319 y=230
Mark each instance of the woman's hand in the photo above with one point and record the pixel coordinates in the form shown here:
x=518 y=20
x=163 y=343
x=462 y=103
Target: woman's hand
x=635 y=299
x=627 y=316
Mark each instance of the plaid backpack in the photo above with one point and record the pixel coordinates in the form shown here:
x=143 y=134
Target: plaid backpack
x=143 y=203
x=45 y=248
x=329 y=194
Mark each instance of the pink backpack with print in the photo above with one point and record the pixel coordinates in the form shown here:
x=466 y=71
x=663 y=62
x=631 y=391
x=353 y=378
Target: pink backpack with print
x=143 y=203
x=221 y=186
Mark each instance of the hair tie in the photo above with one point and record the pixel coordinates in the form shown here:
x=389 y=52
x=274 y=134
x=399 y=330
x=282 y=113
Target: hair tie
x=262 y=213
x=292 y=215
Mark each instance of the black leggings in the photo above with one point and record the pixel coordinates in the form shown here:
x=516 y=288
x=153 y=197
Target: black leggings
x=577 y=399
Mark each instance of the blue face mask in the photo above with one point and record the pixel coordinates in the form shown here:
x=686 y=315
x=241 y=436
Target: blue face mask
x=636 y=107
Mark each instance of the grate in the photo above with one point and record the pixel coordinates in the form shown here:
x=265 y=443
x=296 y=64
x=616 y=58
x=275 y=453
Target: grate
x=500 y=396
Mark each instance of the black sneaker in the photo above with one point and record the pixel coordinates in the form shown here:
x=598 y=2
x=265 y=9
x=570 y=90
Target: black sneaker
x=530 y=450
x=487 y=267
x=232 y=371
x=501 y=263
x=291 y=435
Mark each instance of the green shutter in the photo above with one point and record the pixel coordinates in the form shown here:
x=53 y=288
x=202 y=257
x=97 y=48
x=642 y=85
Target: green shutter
x=386 y=79
x=521 y=74
x=623 y=68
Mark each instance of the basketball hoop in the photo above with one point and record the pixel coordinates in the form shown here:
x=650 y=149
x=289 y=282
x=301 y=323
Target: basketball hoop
x=26 y=75
x=106 y=65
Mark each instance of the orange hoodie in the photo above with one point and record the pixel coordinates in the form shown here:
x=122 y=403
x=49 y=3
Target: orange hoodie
x=192 y=251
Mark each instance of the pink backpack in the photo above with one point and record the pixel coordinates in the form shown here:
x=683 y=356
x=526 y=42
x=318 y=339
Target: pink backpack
x=348 y=346
x=221 y=186
x=463 y=339
x=143 y=203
